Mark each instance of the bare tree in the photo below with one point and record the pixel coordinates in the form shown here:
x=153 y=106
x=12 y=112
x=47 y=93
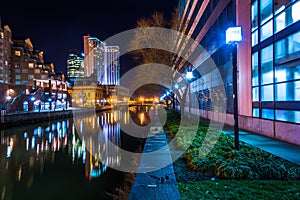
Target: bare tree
x=159 y=38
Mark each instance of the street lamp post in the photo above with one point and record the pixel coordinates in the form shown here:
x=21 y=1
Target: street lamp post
x=233 y=36
x=189 y=76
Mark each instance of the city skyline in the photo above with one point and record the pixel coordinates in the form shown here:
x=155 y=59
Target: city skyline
x=55 y=27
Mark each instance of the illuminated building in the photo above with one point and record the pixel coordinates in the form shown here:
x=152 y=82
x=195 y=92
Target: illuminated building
x=112 y=65
x=267 y=61
x=5 y=53
x=27 y=63
x=86 y=93
x=75 y=65
x=102 y=61
x=93 y=58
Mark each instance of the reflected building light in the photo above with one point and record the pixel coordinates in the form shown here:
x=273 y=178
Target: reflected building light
x=83 y=143
x=39 y=131
x=73 y=130
x=66 y=141
x=9 y=151
x=19 y=173
x=142 y=118
x=84 y=156
x=81 y=127
x=98 y=121
x=50 y=137
x=35 y=131
x=27 y=144
x=126 y=117
x=47 y=146
x=54 y=144
x=59 y=131
x=64 y=131
x=102 y=120
x=11 y=142
x=42 y=145
x=37 y=149
x=58 y=143
x=53 y=127
x=33 y=142
x=25 y=134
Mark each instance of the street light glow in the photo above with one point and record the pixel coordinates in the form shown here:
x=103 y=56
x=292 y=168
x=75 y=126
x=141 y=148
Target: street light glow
x=233 y=35
x=189 y=75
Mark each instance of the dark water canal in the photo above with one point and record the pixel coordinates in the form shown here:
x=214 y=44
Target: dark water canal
x=68 y=158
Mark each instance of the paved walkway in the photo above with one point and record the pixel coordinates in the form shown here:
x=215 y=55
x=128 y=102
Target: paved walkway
x=152 y=181
x=290 y=152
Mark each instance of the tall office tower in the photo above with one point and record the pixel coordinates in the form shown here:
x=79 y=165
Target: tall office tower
x=5 y=53
x=112 y=65
x=93 y=57
x=75 y=64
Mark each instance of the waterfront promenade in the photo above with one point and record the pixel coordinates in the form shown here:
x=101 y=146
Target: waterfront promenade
x=153 y=181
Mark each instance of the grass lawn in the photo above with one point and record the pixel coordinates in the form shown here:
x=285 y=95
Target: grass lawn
x=240 y=189
x=249 y=173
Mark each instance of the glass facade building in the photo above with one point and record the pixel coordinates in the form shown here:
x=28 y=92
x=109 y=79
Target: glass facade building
x=205 y=22
x=275 y=51
x=93 y=57
x=268 y=62
x=112 y=65
x=75 y=65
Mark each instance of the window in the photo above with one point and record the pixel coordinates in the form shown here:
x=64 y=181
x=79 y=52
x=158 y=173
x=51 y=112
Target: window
x=287 y=48
x=266 y=30
x=267 y=93
x=24 y=71
x=287 y=17
x=267 y=114
x=255 y=69
x=31 y=65
x=267 y=65
x=18 y=53
x=254 y=15
x=275 y=62
x=24 y=82
x=37 y=71
x=30 y=77
x=44 y=77
x=255 y=94
x=18 y=77
x=287 y=72
x=255 y=38
x=265 y=10
x=18 y=82
x=289 y=91
x=288 y=115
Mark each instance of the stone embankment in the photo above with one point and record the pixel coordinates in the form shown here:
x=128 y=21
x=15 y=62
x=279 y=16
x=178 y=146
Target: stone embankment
x=21 y=118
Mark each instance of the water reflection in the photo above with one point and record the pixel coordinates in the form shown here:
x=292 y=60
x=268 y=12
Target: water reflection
x=25 y=152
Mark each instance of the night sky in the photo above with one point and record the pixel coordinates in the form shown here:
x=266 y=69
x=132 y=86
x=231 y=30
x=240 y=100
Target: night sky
x=58 y=25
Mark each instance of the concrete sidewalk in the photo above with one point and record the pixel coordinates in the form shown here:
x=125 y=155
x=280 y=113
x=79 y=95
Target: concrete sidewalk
x=155 y=179
x=288 y=151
